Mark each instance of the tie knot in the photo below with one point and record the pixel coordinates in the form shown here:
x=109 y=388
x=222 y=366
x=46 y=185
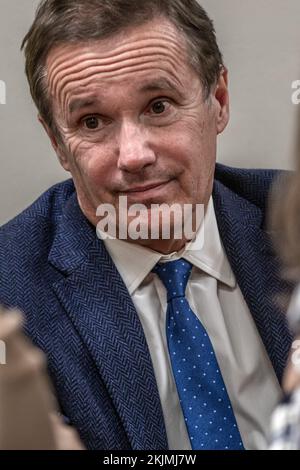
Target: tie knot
x=174 y=275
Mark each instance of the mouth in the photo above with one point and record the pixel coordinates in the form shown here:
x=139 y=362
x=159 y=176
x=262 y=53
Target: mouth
x=144 y=189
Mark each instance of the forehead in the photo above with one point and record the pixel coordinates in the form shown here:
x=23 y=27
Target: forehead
x=154 y=49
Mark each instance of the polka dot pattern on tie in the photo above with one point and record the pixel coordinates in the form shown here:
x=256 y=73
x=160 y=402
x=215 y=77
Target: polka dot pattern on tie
x=206 y=406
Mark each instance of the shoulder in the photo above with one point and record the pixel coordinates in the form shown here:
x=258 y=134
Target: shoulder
x=47 y=209
x=49 y=204
x=246 y=179
x=252 y=185
x=25 y=241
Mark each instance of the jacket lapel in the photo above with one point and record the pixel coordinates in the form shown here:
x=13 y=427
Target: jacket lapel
x=256 y=268
x=97 y=302
x=99 y=306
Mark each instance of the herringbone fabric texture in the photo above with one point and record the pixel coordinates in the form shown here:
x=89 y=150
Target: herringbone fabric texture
x=79 y=312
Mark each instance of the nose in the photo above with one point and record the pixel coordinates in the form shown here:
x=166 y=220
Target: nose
x=134 y=150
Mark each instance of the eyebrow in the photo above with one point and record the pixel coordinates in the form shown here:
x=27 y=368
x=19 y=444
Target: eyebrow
x=158 y=85
x=155 y=85
x=80 y=103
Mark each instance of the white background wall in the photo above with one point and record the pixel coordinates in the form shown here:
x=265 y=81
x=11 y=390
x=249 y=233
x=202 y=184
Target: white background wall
x=261 y=45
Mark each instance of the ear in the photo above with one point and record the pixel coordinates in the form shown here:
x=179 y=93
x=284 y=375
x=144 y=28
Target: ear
x=57 y=146
x=222 y=98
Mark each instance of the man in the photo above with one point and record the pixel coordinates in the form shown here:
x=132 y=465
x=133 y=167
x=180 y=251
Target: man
x=133 y=96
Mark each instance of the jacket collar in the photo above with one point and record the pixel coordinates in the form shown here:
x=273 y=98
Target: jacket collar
x=98 y=304
x=110 y=328
x=256 y=267
x=205 y=251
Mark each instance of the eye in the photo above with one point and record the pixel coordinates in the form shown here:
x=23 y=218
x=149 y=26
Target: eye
x=159 y=107
x=91 y=122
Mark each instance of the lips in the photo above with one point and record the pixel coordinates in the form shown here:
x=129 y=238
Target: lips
x=141 y=189
x=154 y=192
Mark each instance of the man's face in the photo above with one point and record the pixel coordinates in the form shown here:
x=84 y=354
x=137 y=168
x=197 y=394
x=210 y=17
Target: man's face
x=133 y=119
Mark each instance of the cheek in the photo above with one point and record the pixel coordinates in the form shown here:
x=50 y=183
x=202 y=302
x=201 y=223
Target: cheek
x=192 y=131
x=201 y=140
x=188 y=145
x=195 y=148
x=90 y=163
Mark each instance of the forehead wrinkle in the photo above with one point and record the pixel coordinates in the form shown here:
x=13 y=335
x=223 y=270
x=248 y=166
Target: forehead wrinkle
x=60 y=63
x=68 y=64
x=90 y=69
x=61 y=86
x=129 y=46
x=65 y=93
x=115 y=63
x=170 y=35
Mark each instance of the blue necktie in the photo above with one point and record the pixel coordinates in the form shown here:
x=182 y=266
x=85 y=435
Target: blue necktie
x=206 y=406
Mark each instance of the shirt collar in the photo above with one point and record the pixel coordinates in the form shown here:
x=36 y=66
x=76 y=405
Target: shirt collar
x=206 y=252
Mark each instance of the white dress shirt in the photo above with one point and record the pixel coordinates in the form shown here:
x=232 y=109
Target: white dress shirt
x=216 y=299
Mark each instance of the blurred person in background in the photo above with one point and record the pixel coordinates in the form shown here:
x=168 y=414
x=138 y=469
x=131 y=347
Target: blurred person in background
x=285 y=223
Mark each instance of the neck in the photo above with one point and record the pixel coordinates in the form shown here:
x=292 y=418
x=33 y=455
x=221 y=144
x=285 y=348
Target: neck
x=164 y=247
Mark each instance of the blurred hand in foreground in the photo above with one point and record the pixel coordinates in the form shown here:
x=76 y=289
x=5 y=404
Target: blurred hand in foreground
x=28 y=418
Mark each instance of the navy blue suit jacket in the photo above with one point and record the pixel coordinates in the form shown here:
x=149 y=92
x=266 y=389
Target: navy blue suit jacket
x=78 y=310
